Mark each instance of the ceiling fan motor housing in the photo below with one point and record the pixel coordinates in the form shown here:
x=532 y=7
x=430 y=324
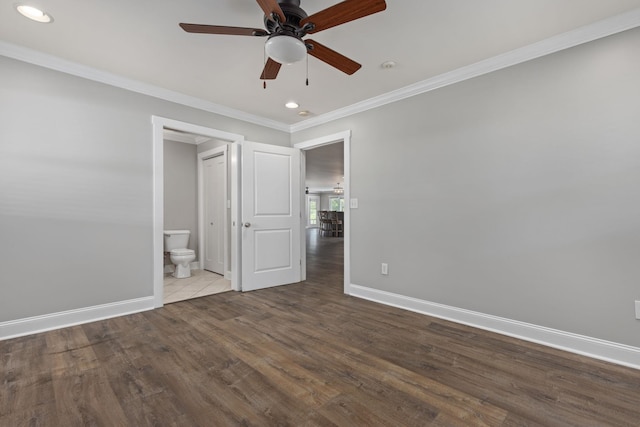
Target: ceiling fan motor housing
x=294 y=14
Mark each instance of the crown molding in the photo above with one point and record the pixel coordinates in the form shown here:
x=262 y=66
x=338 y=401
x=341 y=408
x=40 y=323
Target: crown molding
x=585 y=34
x=58 y=64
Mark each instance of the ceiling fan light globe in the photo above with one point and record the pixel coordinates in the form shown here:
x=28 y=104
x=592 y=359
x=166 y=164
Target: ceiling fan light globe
x=285 y=49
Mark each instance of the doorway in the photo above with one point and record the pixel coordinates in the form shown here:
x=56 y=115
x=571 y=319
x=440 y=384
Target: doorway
x=161 y=124
x=309 y=238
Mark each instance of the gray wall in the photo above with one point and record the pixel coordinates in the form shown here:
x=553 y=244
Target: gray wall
x=514 y=194
x=76 y=188
x=181 y=190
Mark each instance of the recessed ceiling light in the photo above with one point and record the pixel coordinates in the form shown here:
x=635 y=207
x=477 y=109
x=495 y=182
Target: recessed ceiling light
x=304 y=113
x=34 y=13
x=388 y=64
x=291 y=104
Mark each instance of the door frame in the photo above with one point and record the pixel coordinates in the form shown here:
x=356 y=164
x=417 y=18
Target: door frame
x=159 y=124
x=206 y=155
x=345 y=137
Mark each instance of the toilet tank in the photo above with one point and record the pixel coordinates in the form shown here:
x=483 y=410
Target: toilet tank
x=176 y=239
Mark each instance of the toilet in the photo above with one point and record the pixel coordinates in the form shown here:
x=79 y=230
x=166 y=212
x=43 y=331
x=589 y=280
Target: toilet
x=175 y=243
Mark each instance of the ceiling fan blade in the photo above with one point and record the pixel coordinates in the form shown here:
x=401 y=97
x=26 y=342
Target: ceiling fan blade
x=332 y=57
x=220 y=29
x=269 y=7
x=270 y=70
x=348 y=10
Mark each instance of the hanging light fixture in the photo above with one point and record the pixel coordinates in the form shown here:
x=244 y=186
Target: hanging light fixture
x=338 y=190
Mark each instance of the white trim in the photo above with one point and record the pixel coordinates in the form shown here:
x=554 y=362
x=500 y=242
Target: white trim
x=159 y=123
x=304 y=210
x=324 y=140
x=587 y=346
x=187 y=138
x=236 y=220
x=75 y=69
x=345 y=137
x=64 y=319
x=205 y=155
x=585 y=34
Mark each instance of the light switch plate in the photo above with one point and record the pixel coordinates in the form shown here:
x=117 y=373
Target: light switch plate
x=638 y=310
x=353 y=203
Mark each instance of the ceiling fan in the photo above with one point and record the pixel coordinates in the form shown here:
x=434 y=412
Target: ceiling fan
x=286 y=24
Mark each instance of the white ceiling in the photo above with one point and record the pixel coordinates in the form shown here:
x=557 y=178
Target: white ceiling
x=141 y=40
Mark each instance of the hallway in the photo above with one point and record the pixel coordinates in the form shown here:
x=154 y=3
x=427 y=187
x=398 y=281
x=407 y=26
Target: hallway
x=325 y=259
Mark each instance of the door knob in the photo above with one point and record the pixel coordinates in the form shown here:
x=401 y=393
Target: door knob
x=247 y=224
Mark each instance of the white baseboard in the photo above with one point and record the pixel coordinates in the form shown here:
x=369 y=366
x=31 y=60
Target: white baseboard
x=620 y=354
x=63 y=319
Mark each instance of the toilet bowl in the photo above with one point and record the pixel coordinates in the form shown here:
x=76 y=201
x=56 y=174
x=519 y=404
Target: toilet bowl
x=175 y=243
x=181 y=258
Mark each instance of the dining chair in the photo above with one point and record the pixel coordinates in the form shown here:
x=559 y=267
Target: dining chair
x=326 y=225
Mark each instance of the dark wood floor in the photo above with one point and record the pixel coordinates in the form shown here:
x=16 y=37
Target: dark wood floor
x=302 y=355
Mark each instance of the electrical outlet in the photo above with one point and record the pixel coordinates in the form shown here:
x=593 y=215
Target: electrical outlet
x=638 y=310
x=384 y=269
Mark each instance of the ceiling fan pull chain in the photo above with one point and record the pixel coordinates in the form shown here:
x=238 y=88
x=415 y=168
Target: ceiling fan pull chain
x=307 y=69
x=264 y=62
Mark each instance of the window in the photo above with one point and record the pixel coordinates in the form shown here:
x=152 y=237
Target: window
x=336 y=204
x=313 y=205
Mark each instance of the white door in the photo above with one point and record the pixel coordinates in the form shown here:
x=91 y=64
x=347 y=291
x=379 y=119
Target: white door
x=214 y=209
x=270 y=215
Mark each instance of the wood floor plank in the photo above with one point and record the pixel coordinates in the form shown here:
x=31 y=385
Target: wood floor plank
x=70 y=351
x=36 y=416
x=81 y=399
x=26 y=377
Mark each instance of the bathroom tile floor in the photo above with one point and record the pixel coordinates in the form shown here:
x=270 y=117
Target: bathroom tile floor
x=201 y=283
